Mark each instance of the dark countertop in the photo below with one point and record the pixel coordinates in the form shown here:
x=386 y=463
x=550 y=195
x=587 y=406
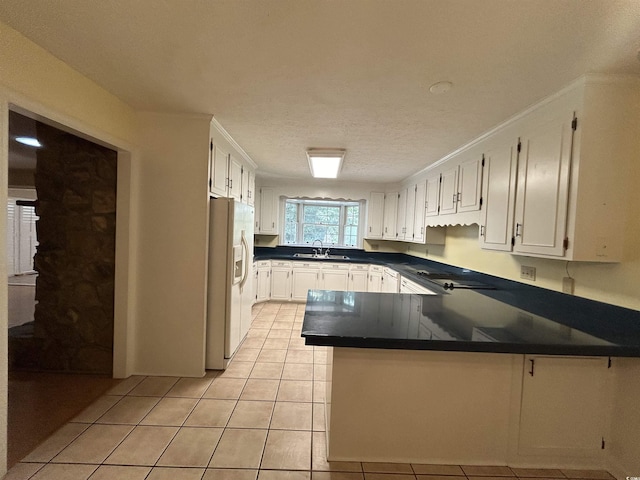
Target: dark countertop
x=512 y=318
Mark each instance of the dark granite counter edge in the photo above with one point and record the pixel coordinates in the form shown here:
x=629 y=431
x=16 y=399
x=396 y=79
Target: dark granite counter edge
x=479 y=347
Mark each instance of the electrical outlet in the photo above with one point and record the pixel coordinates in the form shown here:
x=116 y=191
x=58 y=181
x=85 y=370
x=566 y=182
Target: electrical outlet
x=528 y=273
x=567 y=285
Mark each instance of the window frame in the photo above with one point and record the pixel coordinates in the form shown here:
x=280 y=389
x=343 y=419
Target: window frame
x=342 y=204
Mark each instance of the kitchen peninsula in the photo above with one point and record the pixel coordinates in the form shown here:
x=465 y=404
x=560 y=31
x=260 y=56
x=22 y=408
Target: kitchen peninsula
x=469 y=377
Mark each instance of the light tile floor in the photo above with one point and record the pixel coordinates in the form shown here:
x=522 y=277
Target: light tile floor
x=262 y=418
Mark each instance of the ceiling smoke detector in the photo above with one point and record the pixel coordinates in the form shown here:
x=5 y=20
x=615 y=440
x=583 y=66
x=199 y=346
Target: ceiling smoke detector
x=440 y=87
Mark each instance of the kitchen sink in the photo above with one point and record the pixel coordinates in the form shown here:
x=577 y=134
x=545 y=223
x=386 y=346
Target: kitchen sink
x=315 y=255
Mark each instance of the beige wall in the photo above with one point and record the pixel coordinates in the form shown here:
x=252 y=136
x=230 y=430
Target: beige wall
x=172 y=261
x=32 y=79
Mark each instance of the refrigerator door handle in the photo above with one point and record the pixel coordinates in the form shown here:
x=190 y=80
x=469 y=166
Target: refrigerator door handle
x=245 y=247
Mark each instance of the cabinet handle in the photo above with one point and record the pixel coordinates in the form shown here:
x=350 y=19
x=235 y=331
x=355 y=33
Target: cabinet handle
x=518 y=233
x=458 y=197
x=273 y=225
x=231 y=184
x=482 y=230
x=455 y=197
x=532 y=364
x=369 y=229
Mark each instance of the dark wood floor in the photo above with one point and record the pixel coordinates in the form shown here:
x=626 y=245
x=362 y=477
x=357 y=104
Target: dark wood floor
x=40 y=403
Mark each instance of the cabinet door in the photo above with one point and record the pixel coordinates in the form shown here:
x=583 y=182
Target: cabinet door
x=563 y=409
x=280 y=283
x=263 y=292
x=410 y=210
x=303 y=281
x=257 y=213
x=268 y=211
x=401 y=215
x=543 y=187
x=390 y=212
x=375 y=215
x=449 y=191
x=251 y=187
x=470 y=185
x=390 y=282
x=219 y=171
x=433 y=195
x=499 y=183
x=358 y=281
x=375 y=282
x=254 y=289
x=419 y=213
x=235 y=178
x=335 y=278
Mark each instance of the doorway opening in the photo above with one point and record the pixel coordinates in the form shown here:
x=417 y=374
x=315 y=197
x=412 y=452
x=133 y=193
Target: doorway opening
x=61 y=256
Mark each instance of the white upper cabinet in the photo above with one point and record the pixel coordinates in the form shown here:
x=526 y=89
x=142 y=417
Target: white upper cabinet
x=470 y=184
x=409 y=214
x=498 y=193
x=235 y=178
x=219 y=170
x=390 y=212
x=448 y=200
x=375 y=216
x=268 y=223
x=231 y=171
x=248 y=186
x=567 y=200
x=461 y=185
x=543 y=186
x=419 y=212
x=433 y=195
x=401 y=215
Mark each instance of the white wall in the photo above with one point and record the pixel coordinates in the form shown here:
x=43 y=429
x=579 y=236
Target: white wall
x=32 y=79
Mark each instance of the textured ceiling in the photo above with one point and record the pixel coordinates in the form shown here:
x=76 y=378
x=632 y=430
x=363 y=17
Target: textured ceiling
x=285 y=75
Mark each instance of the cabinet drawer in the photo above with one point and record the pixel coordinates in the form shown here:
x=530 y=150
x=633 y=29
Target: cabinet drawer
x=276 y=263
x=311 y=265
x=335 y=266
x=264 y=263
x=376 y=268
x=359 y=267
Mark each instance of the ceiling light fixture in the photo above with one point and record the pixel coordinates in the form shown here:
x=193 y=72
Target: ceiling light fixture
x=440 y=87
x=325 y=163
x=30 y=141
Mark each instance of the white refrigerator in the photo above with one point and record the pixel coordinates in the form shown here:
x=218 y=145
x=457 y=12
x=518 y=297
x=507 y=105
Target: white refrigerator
x=230 y=279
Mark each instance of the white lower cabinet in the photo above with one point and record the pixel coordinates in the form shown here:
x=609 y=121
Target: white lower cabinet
x=334 y=276
x=564 y=406
x=390 y=280
x=280 y=280
x=263 y=281
x=358 y=278
x=375 y=278
x=306 y=276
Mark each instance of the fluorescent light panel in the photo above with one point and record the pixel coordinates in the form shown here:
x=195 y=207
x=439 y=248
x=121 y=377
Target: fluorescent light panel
x=325 y=163
x=32 y=142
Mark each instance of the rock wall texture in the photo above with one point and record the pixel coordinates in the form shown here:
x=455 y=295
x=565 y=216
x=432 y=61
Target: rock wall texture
x=75 y=182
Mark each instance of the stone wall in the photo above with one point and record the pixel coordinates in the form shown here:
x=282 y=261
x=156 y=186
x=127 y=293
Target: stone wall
x=75 y=182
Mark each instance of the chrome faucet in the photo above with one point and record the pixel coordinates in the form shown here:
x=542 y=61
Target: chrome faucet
x=317 y=252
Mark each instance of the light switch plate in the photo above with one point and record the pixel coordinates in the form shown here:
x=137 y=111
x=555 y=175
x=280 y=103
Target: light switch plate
x=528 y=273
